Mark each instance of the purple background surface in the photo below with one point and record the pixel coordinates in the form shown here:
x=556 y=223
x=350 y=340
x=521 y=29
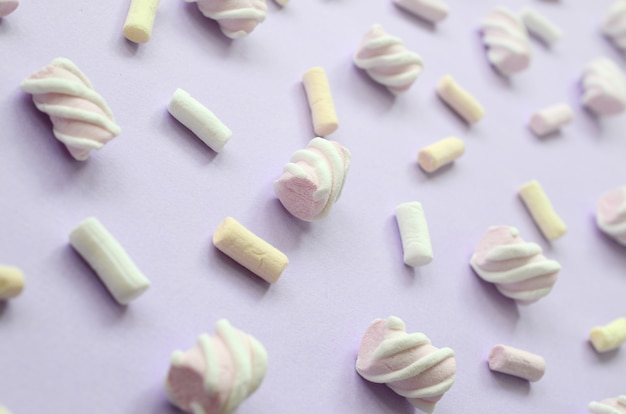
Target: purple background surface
x=67 y=347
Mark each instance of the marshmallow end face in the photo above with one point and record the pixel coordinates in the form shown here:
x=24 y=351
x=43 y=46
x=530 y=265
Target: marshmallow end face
x=11 y=282
x=137 y=34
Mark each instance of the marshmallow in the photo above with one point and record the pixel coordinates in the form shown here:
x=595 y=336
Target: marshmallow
x=320 y=100
x=460 y=100
x=4 y=410
x=108 y=259
x=313 y=179
x=216 y=375
x=432 y=10
x=611 y=214
x=407 y=363
x=551 y=119
x=237 y=18
x=11 y=282
x=540 y=26
x=519 y=269
x=441 y=153
x=80 y=117
x=8 y=6
x=282 y=2
x=199 y=120
x=541 y=210
x=387 y=61
x=414 y=234
x=249 y=250
x=140 y=19
x=506 y=39
x=609 y=406
x=614 y=24
x=516 y=362
x=609 y=337
x=604 y=87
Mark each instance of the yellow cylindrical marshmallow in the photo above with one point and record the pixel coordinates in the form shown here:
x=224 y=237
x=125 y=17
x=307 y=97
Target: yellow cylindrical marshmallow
x=320 y=101
x=443 y=152
x=608 y=337
x=460 y=100
x=140 y=19
x=541 y=210
x=11 y=282
x=249 y=250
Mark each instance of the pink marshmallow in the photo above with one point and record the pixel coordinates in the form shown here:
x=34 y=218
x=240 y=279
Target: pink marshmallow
x=507 y=42
x=8 y=6
x=604 y=87
x=237 y=18
x=611 y=214
x=516 y=362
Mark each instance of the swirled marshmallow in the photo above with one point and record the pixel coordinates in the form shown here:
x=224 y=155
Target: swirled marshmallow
x=609 y=406
x=321 y=103
x=407 y=363
x=218 y=374
x=11 y=282
x=608 y=337
x=237 y=18
x=464 y=104
x=540 y=208
x=506 y=39
x=140 y=20
x=312 y=181
x=8 y=6
x=614 y=24
x=518 y=269
x=611 y=214
x=604 y=87
x=432 y=10
x=540 y=26
x=414 y=234
x=387 y=61
x=440 y=153
x=516 y=362
x=551 y=119
x=80 y=117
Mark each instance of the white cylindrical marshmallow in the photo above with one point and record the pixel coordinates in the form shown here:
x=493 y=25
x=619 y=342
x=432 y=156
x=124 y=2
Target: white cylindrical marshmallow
x=516 y=362
x=414 y=234
x=140 y=20
x=609 y=337
x=323 y=112
x=109 y=260
x=199 y=120
x=460 y=100
x=442 y=152
x=11 y=283
x=431 y=10
x=541 y=210
x=551 y=119
x=540 y=26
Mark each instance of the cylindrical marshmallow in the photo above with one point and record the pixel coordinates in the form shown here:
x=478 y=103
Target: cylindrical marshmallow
x=460 y=100
x=7 y=7
x=4 y=410
x=249 y=250
x=540 y=26
x=443 y=152
x=320 y=101
x=608 y=337
x=200 y=120
x=551 y=119
x=109 y=260
x=516 y=362
x=282 y=2
x=432 y=10
x=11 y=283
x=140 y=19
x=414 y=234
x=541 y=210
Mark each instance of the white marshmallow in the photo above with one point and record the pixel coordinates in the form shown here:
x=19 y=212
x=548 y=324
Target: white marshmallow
x=414 y=234
x=109 y=260
x=516 y=362
x=614 y=24
x=540 y=26
x=551 y=119
x=431 y=10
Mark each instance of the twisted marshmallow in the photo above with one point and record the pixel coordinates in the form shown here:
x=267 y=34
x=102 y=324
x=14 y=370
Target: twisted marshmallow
x=80 y=117
x=518 y=269
x=614 y=24
x=217 y=374
x=609 y=406
x=611 y=214
x=237 y=18
x=507 y=41
x=387 y=61
x=408 y=363
x=604 y=87
x=313 y=179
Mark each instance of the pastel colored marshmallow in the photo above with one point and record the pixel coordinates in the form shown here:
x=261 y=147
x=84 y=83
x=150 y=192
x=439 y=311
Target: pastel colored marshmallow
x=608 y=337
x=321 y=103
x=199 y=119
x=282 y=2
x=431 y=10
x=604 y=87
x=140 y=20
x=540 y=26
x=611 y=214
x=11 y=282
x=460 y=100
x=237 y=18
x=609 y=406
x=218 y=374
x=109 y=260
x=541 y=210
x=614 y=24
x=249 y=250
x=414 y=234
x=551 y=119
x=440 y=153
x=517 y=362
x=8 y=6
x=506 y=39
x=4 y=410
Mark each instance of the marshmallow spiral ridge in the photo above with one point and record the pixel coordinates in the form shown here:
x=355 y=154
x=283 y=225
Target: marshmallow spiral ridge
x=517 y=268
x=80 y=117
x=609 y=406
x=407 y=363
x=237 y=18
x=604 y=87
x=614 y=24
x=611 y=214
x=506 y=38
x=387 y=61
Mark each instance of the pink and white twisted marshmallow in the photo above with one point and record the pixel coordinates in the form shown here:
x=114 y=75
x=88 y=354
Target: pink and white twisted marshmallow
x=237 y=18
x=614 y=24
x=611 y=214
x=604 y=87
x=609 y=406
x=506 y=38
